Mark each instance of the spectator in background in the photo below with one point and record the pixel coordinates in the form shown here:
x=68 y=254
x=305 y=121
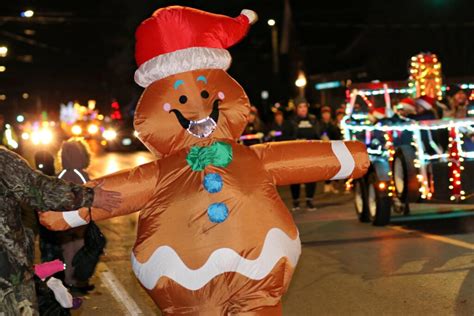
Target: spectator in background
x=254 y=131
x=458 y=101
x=328 y=128
x=306 y=127
x=329 y=131
x=280 y=129
x=340 y=113
x=75 y=158
x=425 y=109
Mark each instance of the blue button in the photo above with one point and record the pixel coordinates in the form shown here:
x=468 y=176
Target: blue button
x=213 y=182
x=217 y=212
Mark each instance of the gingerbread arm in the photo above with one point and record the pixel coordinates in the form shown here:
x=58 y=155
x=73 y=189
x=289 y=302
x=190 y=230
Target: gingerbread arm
x=312 y=161
x=136 y=186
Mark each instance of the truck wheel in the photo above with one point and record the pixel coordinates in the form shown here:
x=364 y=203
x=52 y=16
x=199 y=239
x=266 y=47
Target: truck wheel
x=404 y=175
x=379 y=203
x=360 y=200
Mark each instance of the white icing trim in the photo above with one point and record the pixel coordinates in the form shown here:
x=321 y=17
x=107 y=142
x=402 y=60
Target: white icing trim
x=165 y=262
x=345 y=160
x=251 y=15
x=73 y=219
x=179 y=61
x=424 y=104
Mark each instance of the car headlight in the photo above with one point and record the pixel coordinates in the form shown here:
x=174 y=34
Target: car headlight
x=76 y=130
x=46 y=136
x=109 y=134
x=92 y=129
x=43 y=136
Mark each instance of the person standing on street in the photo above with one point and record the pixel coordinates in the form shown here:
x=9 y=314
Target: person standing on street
x=280 y=129
x=306 y=127
x=329 y=131
x=75 y=158
x=20 y=184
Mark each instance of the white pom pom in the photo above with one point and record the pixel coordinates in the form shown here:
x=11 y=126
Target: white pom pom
x=251 y=15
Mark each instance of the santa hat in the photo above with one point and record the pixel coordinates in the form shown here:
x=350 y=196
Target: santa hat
x=426 y=102
x=378 y=113
x=408 y=105
x=179 y=39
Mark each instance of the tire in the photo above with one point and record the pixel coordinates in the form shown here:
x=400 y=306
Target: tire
x=360 y=200
x=404 y=175
x=379 y=203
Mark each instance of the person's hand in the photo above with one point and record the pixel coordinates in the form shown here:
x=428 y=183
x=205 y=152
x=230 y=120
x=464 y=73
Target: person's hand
x=104 y=199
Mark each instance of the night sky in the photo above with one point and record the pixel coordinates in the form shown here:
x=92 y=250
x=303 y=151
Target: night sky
x=80 y=50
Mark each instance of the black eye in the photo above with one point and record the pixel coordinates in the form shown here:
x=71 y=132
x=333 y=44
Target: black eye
x=183 y=99
x=204 y=94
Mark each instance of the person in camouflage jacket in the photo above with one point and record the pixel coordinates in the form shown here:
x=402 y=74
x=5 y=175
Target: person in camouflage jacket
x=20 y=184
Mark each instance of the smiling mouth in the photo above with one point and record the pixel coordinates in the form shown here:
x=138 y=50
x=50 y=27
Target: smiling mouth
x=200 y=128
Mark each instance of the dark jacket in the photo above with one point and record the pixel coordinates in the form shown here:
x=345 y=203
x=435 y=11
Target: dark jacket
x=20 y=184
x=330 y=130
x=286 y=129
x=306 y=127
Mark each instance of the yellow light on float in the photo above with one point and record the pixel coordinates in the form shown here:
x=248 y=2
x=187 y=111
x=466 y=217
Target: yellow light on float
x=76 y=130
x=92 y=129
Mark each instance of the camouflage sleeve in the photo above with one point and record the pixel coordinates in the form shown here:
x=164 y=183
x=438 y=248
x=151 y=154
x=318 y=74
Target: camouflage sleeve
x=55 y=194
x=39 y=191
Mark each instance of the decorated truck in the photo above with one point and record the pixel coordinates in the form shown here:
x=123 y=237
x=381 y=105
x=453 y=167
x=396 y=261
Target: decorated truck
x=412 y=161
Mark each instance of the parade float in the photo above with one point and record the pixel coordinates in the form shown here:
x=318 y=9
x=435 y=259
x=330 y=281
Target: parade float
x=412 y=161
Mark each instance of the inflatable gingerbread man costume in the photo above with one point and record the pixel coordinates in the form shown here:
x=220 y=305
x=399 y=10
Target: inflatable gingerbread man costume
x=214 y=236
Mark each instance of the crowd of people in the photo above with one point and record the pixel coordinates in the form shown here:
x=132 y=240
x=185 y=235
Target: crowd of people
x=297 y=122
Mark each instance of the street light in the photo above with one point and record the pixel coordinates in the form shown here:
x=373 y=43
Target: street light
x=301 y=80
x=27 y=14
x=3 y=51
x=3 y=68
x=275 y=57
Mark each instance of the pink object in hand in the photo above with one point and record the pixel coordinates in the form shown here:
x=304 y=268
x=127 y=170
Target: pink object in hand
x=44 y=270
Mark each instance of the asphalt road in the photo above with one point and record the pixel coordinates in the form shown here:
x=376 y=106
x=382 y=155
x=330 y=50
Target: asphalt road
x=419 y=265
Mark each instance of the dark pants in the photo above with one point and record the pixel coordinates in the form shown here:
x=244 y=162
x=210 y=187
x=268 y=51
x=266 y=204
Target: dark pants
x=310 y=188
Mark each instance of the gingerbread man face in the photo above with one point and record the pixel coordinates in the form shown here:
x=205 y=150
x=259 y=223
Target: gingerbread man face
x=183 y=109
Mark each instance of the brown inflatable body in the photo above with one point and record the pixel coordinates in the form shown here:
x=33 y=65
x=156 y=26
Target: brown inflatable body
x=214 y=236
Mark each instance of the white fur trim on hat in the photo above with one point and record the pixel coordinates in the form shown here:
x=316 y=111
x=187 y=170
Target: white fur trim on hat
x=251 y=15
x=407 y=107
x=179 y=61
x=424 y=104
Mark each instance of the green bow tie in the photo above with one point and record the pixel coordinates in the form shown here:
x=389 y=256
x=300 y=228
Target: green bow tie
x=218 y=154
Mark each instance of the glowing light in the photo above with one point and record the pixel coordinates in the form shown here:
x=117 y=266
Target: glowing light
x=382 y=185
x=109 y=134
x=76 y=130
x=3 y=51
x=25 y=136
x=271 y=22
x=27 y=14
x=20 y=118
x=25 y=95
x=92 y=129
x=301 y=81
x=3 y=68
x=91 y=104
